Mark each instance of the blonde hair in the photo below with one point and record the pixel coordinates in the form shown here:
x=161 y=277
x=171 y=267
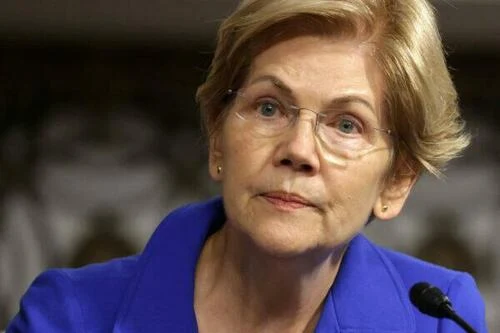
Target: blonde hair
x=420 y=98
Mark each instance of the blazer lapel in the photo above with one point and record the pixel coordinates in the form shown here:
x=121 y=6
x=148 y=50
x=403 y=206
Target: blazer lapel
x=160 y=297
x=368 y=295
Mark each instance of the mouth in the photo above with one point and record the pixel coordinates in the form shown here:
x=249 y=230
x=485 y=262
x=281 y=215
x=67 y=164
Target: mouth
x=286 y=201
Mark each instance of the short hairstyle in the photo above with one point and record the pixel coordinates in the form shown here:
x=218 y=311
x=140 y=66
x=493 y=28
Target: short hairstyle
x=420 y=100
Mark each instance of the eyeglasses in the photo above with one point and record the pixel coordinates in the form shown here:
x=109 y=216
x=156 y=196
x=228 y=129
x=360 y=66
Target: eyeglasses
x=343 y=132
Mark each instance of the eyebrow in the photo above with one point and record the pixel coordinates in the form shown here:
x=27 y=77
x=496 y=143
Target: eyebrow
x=346 y=99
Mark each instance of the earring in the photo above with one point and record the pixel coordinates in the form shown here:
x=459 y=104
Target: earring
x=385 y=208
x=219 y=169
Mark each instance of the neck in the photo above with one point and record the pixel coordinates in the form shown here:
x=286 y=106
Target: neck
x=258 y=290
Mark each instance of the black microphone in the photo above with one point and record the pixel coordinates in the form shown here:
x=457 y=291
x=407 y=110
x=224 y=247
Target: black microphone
x=431 y=301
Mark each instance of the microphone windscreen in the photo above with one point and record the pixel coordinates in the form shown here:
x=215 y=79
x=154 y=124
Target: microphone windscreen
x=430 y=300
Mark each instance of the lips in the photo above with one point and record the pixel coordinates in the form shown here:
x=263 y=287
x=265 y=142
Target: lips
x=287 y=201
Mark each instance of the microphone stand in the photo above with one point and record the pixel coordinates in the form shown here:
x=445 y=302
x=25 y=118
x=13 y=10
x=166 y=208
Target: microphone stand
x=451 y=314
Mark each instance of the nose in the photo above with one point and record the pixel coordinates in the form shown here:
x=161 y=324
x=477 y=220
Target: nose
x=297 y=148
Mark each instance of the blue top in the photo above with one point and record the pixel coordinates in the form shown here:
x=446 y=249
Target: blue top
x=154 y=291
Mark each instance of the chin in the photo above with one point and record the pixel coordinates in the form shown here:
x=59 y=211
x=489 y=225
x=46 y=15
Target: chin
x=284 y=241
x=281 y=233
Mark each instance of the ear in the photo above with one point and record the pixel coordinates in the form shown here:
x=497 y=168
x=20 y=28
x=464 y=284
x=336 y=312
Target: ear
x=393 y=196
x=215 y=156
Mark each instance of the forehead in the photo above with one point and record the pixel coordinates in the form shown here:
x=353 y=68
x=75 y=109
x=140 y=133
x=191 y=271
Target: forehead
x=337 y=62
x=322 y=68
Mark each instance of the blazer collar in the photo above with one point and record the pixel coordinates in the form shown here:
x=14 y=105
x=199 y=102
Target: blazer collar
x=367 y=293
x=160 y=296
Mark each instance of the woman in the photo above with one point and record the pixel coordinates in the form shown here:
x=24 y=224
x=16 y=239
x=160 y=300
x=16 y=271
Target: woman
x=321 y=116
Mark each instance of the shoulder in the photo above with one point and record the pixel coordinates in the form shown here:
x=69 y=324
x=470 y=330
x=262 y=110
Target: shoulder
x=89 y=299
x=116 y=269
x=460 y=287
x=413 y=270
x=75 y=300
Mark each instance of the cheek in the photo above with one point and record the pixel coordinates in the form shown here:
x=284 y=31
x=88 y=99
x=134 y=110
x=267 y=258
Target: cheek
x=236 y=158
x=242 y=152
x=355 y=189
x=240 y=161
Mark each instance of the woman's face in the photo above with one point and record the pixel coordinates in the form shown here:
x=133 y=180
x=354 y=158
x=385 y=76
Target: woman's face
x=283 y=191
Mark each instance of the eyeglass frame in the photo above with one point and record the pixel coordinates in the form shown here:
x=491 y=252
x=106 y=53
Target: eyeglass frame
x=296 y=114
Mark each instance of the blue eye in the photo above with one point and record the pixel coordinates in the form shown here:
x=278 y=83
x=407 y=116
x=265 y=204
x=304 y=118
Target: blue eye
x=346 y=126
x=267 y=109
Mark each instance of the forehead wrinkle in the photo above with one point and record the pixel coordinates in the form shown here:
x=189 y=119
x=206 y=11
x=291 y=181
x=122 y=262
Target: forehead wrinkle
x=273 y=80
x=296 y=77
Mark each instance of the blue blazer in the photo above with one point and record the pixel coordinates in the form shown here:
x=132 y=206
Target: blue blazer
x=154 y=291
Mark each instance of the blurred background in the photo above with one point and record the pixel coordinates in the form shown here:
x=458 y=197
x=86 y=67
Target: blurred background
x=100 y=136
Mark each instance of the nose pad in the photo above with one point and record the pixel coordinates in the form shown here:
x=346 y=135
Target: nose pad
x=313 y=120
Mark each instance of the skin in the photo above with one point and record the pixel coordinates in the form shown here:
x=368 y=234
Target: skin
x=271 y=265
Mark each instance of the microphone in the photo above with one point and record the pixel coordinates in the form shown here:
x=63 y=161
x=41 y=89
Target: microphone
x=431 y=301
